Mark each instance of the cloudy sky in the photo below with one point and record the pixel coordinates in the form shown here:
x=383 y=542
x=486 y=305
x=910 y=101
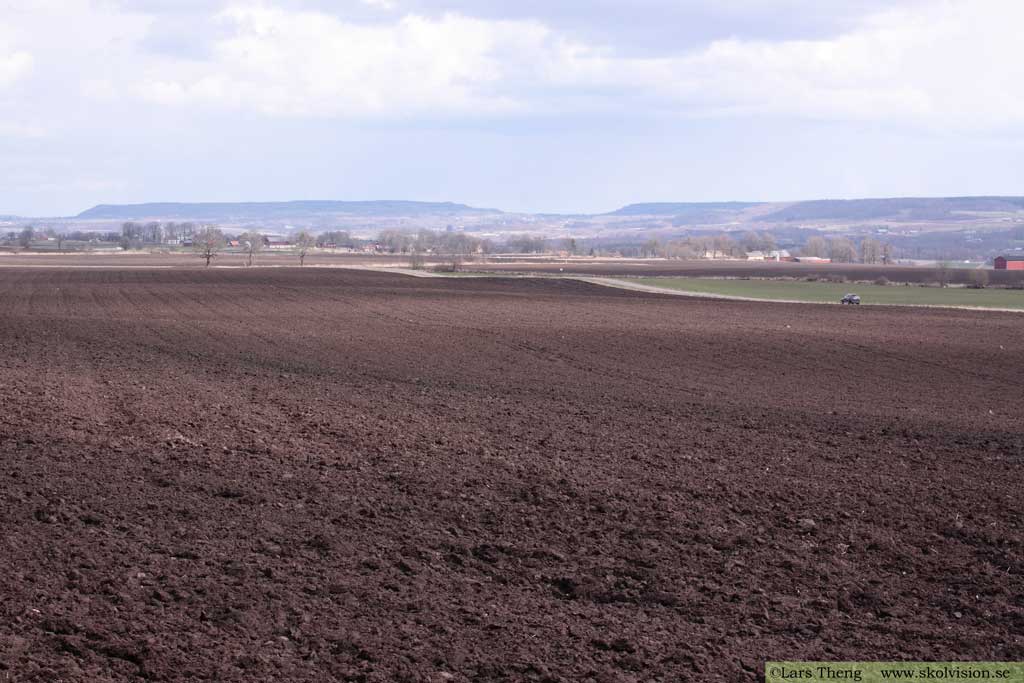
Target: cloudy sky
x=529 y=105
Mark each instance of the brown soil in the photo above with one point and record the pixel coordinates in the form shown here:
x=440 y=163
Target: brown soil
x=752 y=269
x=309 y=475
x=545 y=265
x=188 y=259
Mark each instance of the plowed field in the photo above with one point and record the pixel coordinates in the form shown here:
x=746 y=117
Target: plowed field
x=310 y=475
x=854 y=272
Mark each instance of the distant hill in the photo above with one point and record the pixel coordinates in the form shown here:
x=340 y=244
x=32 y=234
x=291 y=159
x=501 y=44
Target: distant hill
x=906 y=209
x=900 y=208
x=897 y=209
x=274 y=210
x=680 y=208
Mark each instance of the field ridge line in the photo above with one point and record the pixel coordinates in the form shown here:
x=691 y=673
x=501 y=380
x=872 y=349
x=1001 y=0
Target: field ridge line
x=621 y=284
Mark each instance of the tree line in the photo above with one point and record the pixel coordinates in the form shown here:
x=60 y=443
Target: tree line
x=838 y=249
x=210 y=240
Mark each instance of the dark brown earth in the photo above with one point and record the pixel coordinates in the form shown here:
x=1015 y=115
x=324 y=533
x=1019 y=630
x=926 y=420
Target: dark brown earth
x=310 y=475
x=530 y=265
x=746 y=269
x=189 y=259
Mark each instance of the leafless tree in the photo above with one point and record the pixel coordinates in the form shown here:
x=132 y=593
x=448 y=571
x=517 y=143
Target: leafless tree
x=153 y=232
x=815 y=246
x=416 y=258
x=870 y=250
x=887 y=253
x=841 y=250
x=25 y=237
x=943 y=273
x=304 y=241
x=679 y=249
x=208 y=242
x=755 y=241
x=702 y=245
x=979 y=279
x=394 y=241
x=60 y=237
x=252 y=241
x=335 y=238
x=650 y=248
x=724 y=245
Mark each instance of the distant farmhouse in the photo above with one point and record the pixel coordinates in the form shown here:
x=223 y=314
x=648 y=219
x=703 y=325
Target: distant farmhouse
x=277 y=243
x=778 y=255
x=1009 y=263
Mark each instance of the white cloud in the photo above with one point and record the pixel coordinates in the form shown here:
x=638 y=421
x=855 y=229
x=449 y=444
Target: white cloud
x=312 y=64
x=21 y=129
x=14 y=66
x=944 y=64
x=949 y=64
x=940 y=63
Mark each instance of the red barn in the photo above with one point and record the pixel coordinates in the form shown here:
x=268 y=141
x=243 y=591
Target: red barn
x=1009 y=263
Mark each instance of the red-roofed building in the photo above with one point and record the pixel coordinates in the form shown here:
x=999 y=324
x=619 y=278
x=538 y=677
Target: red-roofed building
x=1009 y=263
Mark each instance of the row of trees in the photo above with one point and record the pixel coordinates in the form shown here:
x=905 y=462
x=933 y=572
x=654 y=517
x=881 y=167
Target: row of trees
x=28 y=234
x=702 y=246
x=425 y=240
x=838 y=249
x=136 y=234
x=843 y=250
x=209 y=241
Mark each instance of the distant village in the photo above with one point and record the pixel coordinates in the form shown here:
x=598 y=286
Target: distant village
x=797 y=245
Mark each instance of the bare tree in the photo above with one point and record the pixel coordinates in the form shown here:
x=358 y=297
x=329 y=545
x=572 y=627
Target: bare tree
x=335 y=238
x=416 y=258
x=943 y=273
x=679 y=249
x=703 y=245
x=841 y=250
x=60 y=241
x=25 y=237
x=131 y=235
x=304 y=241
x=724 y=245
x=870 y=250
x=650 y=248
x=153 y=232
x=208 y=242
x=252 y=241
x=978 y=279
x=394 y=241
x=754 y=241
x=815 y=246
